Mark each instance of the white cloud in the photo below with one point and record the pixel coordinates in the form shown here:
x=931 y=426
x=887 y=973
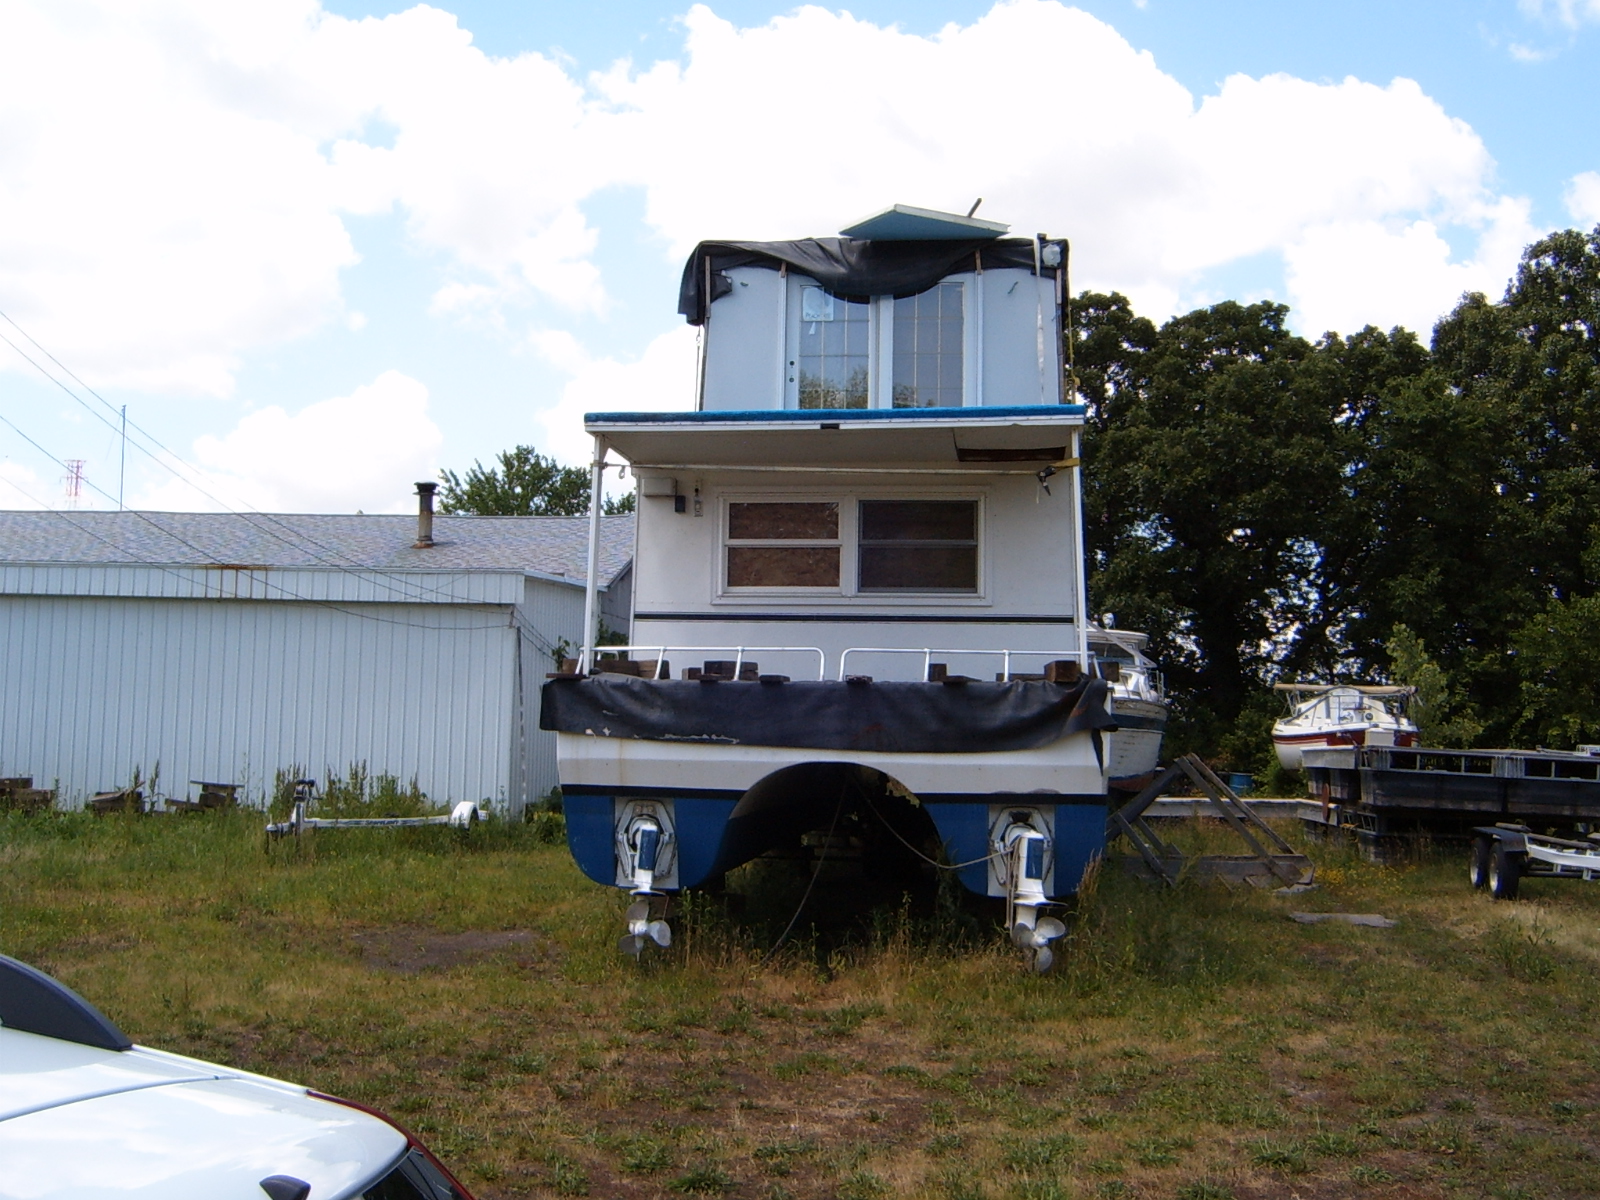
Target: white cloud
x=361 y=451
x=175 y=175
x=1154 y=188
x=659 y=380
x=1570 y=13
x=148 y=230
x=1583 y=198
x=1346 y=274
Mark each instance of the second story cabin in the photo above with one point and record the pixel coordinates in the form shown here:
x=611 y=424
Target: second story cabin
x=879 y=458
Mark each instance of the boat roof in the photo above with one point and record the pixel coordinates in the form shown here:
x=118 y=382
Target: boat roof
x=904 y=223
x=1015 y=440
x=1366 y=689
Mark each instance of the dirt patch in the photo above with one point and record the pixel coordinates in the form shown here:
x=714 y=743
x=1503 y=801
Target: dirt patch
x=410 y=950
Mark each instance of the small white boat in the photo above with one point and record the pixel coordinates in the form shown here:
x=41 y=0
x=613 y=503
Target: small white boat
x=1136 y=700
x=1326 y=715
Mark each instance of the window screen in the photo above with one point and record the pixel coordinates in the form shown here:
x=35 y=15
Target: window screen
x=835 y=353
x=791 y=544
x=927 y=348
x=918 y=546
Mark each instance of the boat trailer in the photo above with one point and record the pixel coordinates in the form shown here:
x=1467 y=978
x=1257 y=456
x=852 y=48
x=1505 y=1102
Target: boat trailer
x=1271 y=863
x=464 y=815
x=1502 y=855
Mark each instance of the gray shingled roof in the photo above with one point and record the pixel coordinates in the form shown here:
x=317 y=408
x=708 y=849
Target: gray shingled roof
x=548 y=545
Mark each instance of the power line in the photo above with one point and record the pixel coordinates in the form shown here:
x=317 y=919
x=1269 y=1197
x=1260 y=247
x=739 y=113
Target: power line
x=410 y=591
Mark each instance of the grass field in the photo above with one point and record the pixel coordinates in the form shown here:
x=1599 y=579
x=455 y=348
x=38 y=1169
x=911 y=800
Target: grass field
x=1192 y=1044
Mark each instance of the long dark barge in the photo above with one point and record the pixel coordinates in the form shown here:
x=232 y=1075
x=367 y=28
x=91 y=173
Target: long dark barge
x=1383 y=791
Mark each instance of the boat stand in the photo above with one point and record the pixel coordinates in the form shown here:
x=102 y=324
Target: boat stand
x=1272 y=861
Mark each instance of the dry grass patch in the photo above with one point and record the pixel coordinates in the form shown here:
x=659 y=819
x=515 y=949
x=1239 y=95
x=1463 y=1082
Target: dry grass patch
x=1192 y=1043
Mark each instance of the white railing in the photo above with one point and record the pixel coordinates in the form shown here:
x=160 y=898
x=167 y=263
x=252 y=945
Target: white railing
x=1005 y=656
x=657 y=656
x=738 y=653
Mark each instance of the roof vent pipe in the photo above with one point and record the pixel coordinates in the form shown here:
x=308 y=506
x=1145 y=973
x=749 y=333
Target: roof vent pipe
x=425 y=493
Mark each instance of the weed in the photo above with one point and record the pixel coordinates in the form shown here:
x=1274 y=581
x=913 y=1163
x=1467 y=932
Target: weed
x=778 y=1157
x=646 y=1154
x=1158 y=1152
x=702 y=1181
x=862 y=1185
x=1521 y=951
x=1204 y=1189
x=1334 y=1145
x=1366 y=1173
x=1038 y=1154
x=1039 y=1189
x=568 y=1178
x=1280 y=1156
x=957 y=1185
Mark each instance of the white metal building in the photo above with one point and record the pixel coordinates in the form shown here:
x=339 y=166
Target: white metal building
x=224 y=647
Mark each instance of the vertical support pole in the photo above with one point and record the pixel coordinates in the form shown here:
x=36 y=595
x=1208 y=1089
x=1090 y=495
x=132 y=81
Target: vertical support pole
x=591 y=592
x=122 y=466
x=1080 y=602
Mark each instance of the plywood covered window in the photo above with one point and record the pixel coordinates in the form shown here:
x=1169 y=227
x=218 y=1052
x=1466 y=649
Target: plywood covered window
x=918 y=546
x=783 y=544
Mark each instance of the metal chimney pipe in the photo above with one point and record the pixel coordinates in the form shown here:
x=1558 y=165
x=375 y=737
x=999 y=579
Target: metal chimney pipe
x=425 y=493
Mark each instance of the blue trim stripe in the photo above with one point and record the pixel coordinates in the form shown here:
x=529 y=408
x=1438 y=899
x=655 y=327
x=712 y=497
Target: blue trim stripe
x=813 y=416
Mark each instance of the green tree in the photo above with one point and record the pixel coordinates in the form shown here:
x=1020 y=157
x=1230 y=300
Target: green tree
x=1443 y=715
x=1212 y=469
x=526 y=484
x=1557 y=657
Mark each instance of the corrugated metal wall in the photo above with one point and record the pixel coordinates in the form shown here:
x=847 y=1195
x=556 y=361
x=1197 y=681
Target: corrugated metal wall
x=230 y=691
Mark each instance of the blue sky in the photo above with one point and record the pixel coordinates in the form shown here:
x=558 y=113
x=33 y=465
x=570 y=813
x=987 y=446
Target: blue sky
x=320 y=256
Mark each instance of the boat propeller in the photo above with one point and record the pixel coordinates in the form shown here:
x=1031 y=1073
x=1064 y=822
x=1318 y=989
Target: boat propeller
x=642 y=928
x=643 y=842
x=1034 y=941
x=1025 y=859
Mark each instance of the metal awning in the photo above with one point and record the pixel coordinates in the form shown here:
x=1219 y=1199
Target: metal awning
x=964 y=440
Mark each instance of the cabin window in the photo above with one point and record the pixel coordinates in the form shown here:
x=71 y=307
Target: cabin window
x=918 y=546
x=912 y=352
x=783 y=544
x=928 y=337
x=834 y=357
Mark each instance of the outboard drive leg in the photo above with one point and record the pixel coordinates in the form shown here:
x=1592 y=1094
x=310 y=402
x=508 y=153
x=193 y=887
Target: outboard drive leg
x=644 y=838
x=1024 y=853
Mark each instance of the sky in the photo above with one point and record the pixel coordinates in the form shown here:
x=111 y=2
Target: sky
x=320 y=252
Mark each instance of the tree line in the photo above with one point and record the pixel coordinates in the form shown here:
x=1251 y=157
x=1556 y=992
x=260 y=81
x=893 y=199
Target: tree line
x=1367 y=507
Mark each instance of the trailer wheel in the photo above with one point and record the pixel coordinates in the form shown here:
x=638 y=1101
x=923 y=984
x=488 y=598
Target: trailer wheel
x=1478 y=868
x=1505 y=872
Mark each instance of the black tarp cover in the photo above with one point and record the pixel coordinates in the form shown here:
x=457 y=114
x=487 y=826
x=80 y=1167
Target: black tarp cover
x=907 y=718
x=849 y=268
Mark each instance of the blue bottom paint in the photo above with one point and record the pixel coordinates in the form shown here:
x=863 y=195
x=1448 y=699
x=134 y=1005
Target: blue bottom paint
x=1080 y=836
x=591 y=833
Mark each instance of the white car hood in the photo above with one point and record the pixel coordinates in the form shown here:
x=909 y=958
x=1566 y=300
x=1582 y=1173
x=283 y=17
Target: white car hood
x=96 y=1124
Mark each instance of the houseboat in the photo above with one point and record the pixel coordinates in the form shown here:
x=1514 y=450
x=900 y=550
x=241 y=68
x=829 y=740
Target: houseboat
x=859 y=617
x=1330 y=716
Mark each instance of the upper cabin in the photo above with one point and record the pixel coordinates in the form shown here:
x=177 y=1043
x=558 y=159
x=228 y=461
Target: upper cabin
x=879 y=455
x=907 y=309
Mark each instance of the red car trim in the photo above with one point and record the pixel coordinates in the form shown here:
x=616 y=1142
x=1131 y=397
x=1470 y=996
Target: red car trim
x=411 y=1139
